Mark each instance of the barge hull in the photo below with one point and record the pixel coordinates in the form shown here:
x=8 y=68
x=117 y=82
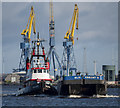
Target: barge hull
x=82 y=87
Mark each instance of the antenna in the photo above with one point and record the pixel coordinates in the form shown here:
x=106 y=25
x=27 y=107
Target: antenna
x=84 y=61
x=95 y=66
x=112 y=56
x=2 y=65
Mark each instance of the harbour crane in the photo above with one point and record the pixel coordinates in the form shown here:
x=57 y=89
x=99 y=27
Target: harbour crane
x=25 y=46
x=52 y=55
x=68 y=59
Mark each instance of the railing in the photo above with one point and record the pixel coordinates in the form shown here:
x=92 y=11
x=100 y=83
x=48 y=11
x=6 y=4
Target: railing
x=91 y=77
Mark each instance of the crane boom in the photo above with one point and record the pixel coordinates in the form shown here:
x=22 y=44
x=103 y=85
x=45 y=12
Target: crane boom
x=70 y=33
x=32 y=21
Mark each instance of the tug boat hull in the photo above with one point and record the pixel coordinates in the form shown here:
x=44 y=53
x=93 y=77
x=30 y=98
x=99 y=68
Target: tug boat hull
x=40 y=88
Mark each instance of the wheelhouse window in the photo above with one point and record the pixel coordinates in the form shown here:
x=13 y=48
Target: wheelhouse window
x=44 y=71
x=39 y=70
x=34 y=71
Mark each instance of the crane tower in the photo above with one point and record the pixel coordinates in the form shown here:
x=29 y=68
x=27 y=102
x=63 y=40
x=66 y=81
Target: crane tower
x=52 y=55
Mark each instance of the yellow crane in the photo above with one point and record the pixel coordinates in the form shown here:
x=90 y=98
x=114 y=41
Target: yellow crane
x=68 y=59
x=31 y=21
x=70 y=33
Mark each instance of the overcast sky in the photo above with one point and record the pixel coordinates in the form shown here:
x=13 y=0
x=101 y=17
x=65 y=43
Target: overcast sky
x=98 y=31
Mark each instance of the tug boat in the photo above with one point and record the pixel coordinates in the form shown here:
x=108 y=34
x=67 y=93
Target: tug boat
x=38 y=79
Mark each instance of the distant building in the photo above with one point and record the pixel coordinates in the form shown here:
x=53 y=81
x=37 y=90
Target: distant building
x=13 y=78
x=109 y=73
x=16 y=77
x=119 y=75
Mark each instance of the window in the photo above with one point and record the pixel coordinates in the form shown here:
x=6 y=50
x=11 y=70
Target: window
x=106 y=75
x=13 y=79
x=110 y=75
x=44 y=71
x=35 y=71
x=39 y=71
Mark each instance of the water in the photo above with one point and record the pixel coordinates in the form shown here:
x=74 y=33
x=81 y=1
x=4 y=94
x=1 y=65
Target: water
x=111 y=99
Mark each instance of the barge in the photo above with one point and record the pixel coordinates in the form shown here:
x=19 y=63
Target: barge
x=82 y=85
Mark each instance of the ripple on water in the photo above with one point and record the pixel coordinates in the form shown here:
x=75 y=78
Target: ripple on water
x=73 y=100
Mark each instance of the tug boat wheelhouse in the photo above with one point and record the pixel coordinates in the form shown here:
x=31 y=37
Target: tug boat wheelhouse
x=39 y=70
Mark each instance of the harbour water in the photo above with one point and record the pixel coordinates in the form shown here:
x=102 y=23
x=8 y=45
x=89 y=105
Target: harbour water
x=8 y=99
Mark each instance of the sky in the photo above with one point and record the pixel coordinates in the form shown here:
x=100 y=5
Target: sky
x=98 y=31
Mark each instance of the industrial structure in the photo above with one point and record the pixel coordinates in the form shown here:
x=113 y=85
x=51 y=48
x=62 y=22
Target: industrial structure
x=68 y=59
x=109 y=73
x=52 y=53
